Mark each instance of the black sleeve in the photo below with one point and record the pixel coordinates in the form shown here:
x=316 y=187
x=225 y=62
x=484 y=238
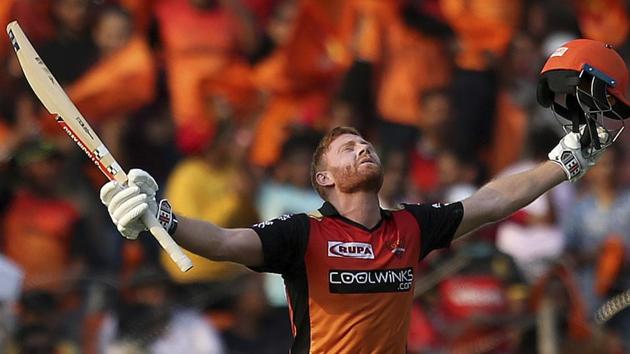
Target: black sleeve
x=284 y=242
x=437 y=223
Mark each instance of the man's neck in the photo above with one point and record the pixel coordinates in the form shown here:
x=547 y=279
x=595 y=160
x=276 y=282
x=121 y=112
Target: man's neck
x=362 y=207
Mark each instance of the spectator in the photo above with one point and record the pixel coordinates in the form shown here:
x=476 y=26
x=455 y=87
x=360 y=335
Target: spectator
x=296 y=78
x=533 y=236
x=437 y=85
x=36 y=339
x=257 y=328
x=400 y=55
x=288 y=191
x=605 y=21
x=204 y=44
x=434 y=138
x=122 y=80
x=213 y=186
x=458 y=175
x=39 y=221
x=289 y=188
x=516 y=93
x=71 y=52
x=597 y=218
x=394 y=189
x=476 y=303
x=11 y=280
x=149 y=320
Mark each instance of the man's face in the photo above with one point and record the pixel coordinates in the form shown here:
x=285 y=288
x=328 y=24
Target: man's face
x=354 y=164
x=112 y=33
x=72 y=14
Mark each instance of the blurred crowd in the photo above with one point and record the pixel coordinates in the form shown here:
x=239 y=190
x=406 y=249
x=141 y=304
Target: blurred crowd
x=223 y=101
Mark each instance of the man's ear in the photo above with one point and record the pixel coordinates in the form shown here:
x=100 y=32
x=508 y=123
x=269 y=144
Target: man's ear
x=324 y=179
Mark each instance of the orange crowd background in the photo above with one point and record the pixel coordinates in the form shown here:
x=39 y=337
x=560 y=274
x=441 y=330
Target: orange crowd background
x=223 y=100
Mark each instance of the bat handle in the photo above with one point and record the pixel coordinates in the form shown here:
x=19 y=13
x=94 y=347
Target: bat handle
x=166 y=241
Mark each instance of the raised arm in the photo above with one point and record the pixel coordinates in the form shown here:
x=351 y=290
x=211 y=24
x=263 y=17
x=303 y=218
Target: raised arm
x=219 y=244
x=127 y=204
x=504 y=196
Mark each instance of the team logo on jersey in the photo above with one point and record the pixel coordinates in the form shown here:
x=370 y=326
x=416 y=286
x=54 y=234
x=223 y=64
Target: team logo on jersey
x=397 y=248
x=262 y=225
x=370 y=281
x=359 y=250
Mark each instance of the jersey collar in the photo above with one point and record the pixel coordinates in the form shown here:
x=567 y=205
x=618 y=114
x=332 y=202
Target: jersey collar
x=329 y=210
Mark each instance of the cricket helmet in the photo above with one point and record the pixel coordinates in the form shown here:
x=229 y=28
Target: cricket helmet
x=586 y=81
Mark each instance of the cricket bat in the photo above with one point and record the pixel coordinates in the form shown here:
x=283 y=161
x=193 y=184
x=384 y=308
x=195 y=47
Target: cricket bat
x=53 y=97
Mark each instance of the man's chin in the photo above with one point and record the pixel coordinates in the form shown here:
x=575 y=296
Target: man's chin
x=366 y=180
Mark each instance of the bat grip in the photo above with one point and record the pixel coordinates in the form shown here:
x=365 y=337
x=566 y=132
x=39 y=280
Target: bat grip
x=166 y=241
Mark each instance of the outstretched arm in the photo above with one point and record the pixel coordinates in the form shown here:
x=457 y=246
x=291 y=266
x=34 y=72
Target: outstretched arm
x=503 y=196
x=127 y=204
x=219 y=244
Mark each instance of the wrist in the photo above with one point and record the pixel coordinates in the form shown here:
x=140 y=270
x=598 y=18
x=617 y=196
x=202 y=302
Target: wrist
x=166 y=217
x=558 y=170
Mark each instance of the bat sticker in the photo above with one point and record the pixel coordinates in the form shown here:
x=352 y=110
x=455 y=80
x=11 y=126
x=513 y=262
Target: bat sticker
x=85 y=128
x=100 y=152
x=113 y=169
x=14 y=41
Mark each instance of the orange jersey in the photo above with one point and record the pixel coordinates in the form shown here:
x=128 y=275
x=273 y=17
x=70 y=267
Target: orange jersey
x=118 y=84
x=482 y=27
x=349 y=288
x=38 y=237
x=603 y=20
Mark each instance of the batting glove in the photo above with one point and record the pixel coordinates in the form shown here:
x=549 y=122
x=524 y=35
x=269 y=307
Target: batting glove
x=574 y=159
x=127 y=204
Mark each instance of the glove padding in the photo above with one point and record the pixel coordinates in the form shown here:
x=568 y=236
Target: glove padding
x=127 y=205
x=574 y=159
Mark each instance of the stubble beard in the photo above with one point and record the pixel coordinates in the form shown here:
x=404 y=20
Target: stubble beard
x=352 y=179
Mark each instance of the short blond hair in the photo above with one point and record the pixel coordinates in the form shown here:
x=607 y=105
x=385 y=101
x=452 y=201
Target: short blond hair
x=317 y=163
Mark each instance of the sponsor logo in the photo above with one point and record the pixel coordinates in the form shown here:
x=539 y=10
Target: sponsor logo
x=45 y=68
x=165 y=214
x=559 y=52
x=64 y=126
x=86 y=129
x=359 y=250
x=370 y=281
x=14 y=41
x=571 y=163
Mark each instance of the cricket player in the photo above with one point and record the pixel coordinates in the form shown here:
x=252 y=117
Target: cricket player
x=349 y=267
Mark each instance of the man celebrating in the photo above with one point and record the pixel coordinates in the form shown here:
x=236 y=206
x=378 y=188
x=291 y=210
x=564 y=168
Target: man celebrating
x=349 y=267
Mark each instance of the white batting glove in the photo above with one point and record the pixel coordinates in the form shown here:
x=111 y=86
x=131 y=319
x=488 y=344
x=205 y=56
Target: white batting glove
x=573 y=158
x=127 y=205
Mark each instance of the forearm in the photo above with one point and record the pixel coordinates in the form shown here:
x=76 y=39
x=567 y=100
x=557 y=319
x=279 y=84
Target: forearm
x=218 y=244
x=504 y=196
x=511 y=193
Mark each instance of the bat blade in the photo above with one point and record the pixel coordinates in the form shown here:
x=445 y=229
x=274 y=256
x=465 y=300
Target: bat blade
x=57 y=102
